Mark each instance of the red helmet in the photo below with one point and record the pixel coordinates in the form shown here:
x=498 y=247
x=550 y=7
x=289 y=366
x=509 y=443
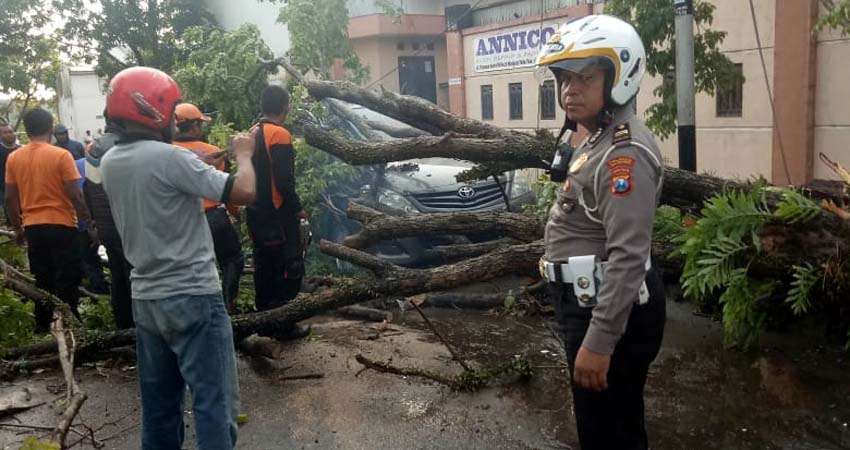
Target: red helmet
x=143 y=95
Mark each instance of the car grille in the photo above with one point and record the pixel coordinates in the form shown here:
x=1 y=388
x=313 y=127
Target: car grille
x=486 y=195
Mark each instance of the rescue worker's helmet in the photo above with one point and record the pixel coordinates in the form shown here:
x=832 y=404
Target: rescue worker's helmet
x=186 y=112
x=598 y=40
x=143 y=95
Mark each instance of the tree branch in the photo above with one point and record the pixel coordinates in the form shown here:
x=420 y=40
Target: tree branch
x=378 y=227
x=411 y=110
x=362 y=259
x=75 y=397
x=524 y=150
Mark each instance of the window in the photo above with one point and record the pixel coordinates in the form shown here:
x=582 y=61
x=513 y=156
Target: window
x=547 y=100
x=487 y=102
x=515 y=99
x=730 y=100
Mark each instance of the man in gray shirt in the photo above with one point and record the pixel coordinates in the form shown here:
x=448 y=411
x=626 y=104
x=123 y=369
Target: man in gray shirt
x=183 y=332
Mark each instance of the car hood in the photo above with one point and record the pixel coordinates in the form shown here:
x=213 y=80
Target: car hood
x=426 y=175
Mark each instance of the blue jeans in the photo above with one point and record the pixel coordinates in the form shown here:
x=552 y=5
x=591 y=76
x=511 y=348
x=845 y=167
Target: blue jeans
x=186 y=340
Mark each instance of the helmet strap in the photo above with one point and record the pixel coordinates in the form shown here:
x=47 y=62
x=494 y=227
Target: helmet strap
x=605 y=118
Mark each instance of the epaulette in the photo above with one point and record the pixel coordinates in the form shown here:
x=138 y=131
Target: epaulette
x=594 y=138
x=621 y=134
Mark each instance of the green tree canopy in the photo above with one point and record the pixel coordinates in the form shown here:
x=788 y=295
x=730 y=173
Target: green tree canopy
x=30 y=62
x=655 y=22
x=121 y=33
x=223 y=72
x=837 y=16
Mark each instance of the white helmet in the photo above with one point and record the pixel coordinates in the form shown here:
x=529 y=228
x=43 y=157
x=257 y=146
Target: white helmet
x=599 y=39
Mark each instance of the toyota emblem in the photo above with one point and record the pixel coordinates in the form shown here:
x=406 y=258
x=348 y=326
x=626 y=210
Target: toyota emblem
x=466 y=192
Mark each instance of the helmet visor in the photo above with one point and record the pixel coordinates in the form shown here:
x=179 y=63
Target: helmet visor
x=579 y=65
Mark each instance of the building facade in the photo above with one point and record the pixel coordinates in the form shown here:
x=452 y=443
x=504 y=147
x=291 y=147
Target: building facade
x=405 y=53
x=491 y=77
x=476 y=60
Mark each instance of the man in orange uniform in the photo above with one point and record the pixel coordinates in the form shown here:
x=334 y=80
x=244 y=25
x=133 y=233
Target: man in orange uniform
x=228 y=249
x=42 y=196
x=274 y=218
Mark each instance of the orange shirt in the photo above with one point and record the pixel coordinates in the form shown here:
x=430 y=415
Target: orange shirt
x=40 y=171
x=275 y=135
x=202 y=149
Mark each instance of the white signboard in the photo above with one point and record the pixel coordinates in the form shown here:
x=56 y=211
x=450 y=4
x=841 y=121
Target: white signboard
x=511 y=49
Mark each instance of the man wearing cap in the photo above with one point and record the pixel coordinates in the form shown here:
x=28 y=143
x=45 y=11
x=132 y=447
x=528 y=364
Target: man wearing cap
x=228 y=248
x=63 y=141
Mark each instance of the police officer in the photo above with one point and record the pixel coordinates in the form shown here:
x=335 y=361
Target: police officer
x=608 y=300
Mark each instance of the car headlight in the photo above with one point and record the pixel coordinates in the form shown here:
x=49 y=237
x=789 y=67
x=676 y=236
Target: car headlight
x=520 y=185
x=397 y=201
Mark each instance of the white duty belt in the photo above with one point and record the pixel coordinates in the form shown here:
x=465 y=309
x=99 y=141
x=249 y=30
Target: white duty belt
x=584 y=272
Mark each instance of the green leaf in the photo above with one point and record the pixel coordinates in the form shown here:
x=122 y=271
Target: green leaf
x=799 y=297
x=795 y=207
x=742 y=323
x=32 y=443
x=655 y=23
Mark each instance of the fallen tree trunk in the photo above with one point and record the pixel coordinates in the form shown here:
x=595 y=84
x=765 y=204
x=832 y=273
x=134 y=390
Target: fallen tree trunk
x=523 y=150
x=363 y=313
x=336 y=293
x=378 y=226
x=446 y=254
x=497 y=149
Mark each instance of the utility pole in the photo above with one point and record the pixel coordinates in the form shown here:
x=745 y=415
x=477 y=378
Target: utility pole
x=685 y=84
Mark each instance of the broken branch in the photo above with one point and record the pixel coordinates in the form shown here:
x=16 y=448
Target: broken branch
x=451 y=349
x=378 y=227
x=524 y=150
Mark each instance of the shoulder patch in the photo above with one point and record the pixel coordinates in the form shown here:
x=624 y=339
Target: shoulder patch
x=622 y=134
x=621 y=175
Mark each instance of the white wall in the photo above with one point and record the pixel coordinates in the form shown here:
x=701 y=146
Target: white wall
x=832 y=97
x=81 y=102
x=732 y=147
x=231 y=14
x=366 y=7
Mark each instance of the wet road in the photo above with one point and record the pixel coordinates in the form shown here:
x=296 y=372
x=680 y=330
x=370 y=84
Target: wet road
x=790 y=395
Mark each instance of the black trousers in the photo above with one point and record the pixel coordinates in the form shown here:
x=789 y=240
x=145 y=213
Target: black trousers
x=92 y=265
x=121 y=298
x=613 y=419
x=55 y=260
x=279 y=267
x=228 y=254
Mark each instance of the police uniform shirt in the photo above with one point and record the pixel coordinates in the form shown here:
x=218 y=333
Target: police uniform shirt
x=616 y=224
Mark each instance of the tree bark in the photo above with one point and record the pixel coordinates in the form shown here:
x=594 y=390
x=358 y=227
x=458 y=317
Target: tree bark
x=446 y=254
x=498 y=150
x=377 y=226
x=522 y=150
x=412 y=110
x=338 y=293
x=363 y=313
